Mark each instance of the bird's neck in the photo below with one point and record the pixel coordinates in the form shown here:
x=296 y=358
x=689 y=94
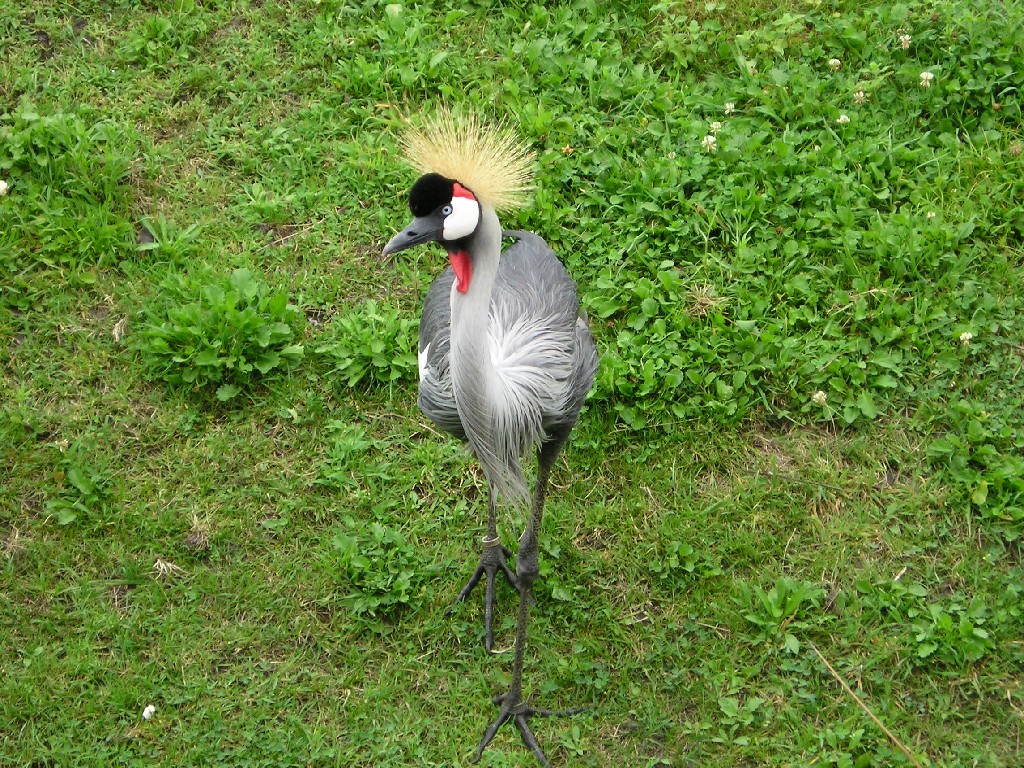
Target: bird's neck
x=479 y=394
x=470 y=308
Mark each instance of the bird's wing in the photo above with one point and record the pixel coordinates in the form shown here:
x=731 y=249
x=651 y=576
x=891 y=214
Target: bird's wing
x=541 y=351
x=436 y=397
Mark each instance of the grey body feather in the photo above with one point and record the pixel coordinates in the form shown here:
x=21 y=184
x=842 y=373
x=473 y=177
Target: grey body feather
x=541 y=353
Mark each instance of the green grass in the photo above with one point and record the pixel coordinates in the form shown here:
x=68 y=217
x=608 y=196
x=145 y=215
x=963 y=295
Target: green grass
x=218 y=497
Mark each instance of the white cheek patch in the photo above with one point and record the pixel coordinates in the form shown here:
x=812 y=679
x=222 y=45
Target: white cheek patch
x=462 y=220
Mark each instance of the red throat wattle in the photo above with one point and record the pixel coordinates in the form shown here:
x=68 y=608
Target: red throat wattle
x=463 y=267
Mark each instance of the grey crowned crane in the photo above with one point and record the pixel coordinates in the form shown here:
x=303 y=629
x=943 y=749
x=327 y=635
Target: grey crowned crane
x=506 y=357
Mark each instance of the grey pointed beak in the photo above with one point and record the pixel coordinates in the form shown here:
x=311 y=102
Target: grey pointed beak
x=424 y=229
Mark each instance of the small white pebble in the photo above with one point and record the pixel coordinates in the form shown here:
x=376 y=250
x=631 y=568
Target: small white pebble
x=148 y=712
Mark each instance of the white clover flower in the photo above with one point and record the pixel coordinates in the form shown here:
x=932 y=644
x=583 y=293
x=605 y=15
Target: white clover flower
x=729 y=107
x=834 y=64
x=148 y=712
x=716 y=126
x=859 y=97
x=843 y=119
x=393 y=9
x=4 y=188
x=710 y=144
x=965 y=338
x=904 y=41
x=819 y=397
x=926 y=79
x=672 y=155
x=930 y=215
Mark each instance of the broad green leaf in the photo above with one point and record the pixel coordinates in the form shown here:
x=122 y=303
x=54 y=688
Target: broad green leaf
x=207 y=357
x=267 y=362
x=242 y=281
x=227 y=391
x=66 y=516
x=980 y=495
x=81 y=481
x=867 y=405
x=791 y=644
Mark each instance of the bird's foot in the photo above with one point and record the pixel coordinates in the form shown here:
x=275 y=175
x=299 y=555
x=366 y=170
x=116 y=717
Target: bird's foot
x=492 y=561
x=518 y=713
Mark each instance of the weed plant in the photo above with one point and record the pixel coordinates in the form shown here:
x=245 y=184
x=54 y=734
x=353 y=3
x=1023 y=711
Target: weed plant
x=228 y=333
x=371 y=344
x=68 y=206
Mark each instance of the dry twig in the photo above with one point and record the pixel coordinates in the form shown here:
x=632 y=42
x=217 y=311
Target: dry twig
x=892 y=737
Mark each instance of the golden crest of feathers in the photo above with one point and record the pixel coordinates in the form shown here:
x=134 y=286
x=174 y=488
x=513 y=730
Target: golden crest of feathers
x=488 y=159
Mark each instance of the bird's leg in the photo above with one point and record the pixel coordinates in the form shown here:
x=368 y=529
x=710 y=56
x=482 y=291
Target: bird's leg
x=491 y=562
x=511 y=706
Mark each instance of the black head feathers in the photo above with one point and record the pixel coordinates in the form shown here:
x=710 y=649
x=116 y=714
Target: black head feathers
x=429 y=193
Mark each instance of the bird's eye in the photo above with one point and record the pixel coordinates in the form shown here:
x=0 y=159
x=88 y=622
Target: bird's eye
x=446 y=210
